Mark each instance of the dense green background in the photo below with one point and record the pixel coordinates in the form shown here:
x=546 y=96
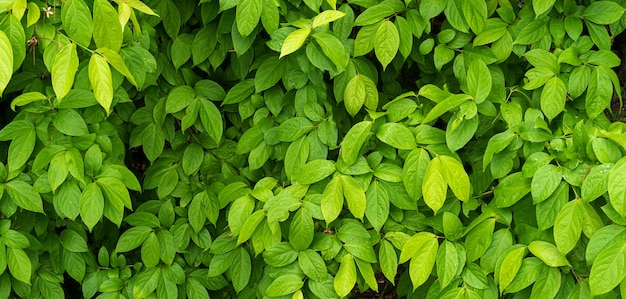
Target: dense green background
x=312 y=149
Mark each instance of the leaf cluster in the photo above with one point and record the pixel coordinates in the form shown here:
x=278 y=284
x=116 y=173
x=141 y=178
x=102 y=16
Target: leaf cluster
x=311 y=149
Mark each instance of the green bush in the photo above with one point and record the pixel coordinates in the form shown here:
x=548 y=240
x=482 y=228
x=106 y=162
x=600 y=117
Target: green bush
x=263 y=148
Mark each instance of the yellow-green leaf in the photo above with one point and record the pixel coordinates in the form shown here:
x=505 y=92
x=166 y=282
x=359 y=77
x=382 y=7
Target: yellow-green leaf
x=294 y=41
x=434 y=185
x=64 y=70
x=386 y=42
x=6 y=64
x=101 y=81
x=107 y=30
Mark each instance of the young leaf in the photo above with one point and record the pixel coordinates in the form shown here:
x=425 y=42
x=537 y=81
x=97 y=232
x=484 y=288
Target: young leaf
x=414 y=170
x=354 y=195
x=447 y=263
x=354 y=140
x=332 y=200
x=444 y=106
x=326 y=17
x=568 y=226
x=64 y=69
x=388 y=260
x=101 y=80
x=294 y=41
x=548 y=253
x=423 y=260
x=434 y=185
x=377 y=205
x=456 y=177
x=617 y=188
x=315 y=171
x=396 y=135
x=386 y=42
x=511 y=264
x=607 y=270
x=346 y=276
x=355 y=94
x=6 y=65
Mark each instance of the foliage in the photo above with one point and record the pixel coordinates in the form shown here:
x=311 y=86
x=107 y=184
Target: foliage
x=310 y=149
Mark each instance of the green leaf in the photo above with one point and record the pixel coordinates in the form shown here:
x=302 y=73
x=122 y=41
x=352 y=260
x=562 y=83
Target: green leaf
x=107 y=30
x=19 y=264
x=434 y=185
x=24 y=196
x=355 y=94
x=479 y=80
x=542 y=6
x=475 y=12
x=315 y=171
x=354 y=195
x=179 y=98
x=284 y=285
x=553 y=98
x=132 y=238
x=326 y=17
x=603 y=238
x=547 y=285
x=603 y=12
x=301 y=230
x=312 y=265
x=444 y=106
x=346 y=276
x=73 y=241
x=568 y=226
x=332 y=200
x=69 y=122
x=413 y=172
x=294 y=41
x=77 y=22
x=115 y=191
x=456 y=177
x=548 y=253
x=21 y=149
x=599 y=92
x=617 y=188
x=423 y=258
x=388 y=260
x=118 y=63
x=91 y=205
x=27 y=98
x=6 y=65
x=447 y=263
x=396 y=135
x=280 y=255
x=333 y=49
x=211 y=120
x=511 y=264
x=151 y=251
x=196 y=213
x=478 y=240
x=64 y=69
x=248 y=15
x=377 y=205
x=607 y=270
x=544 y=182
x=386 y=42
x=511 y=189
x=101 y=80
x=192 y=158
x=268 y=74
x=354 y=140
x=364 y=41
